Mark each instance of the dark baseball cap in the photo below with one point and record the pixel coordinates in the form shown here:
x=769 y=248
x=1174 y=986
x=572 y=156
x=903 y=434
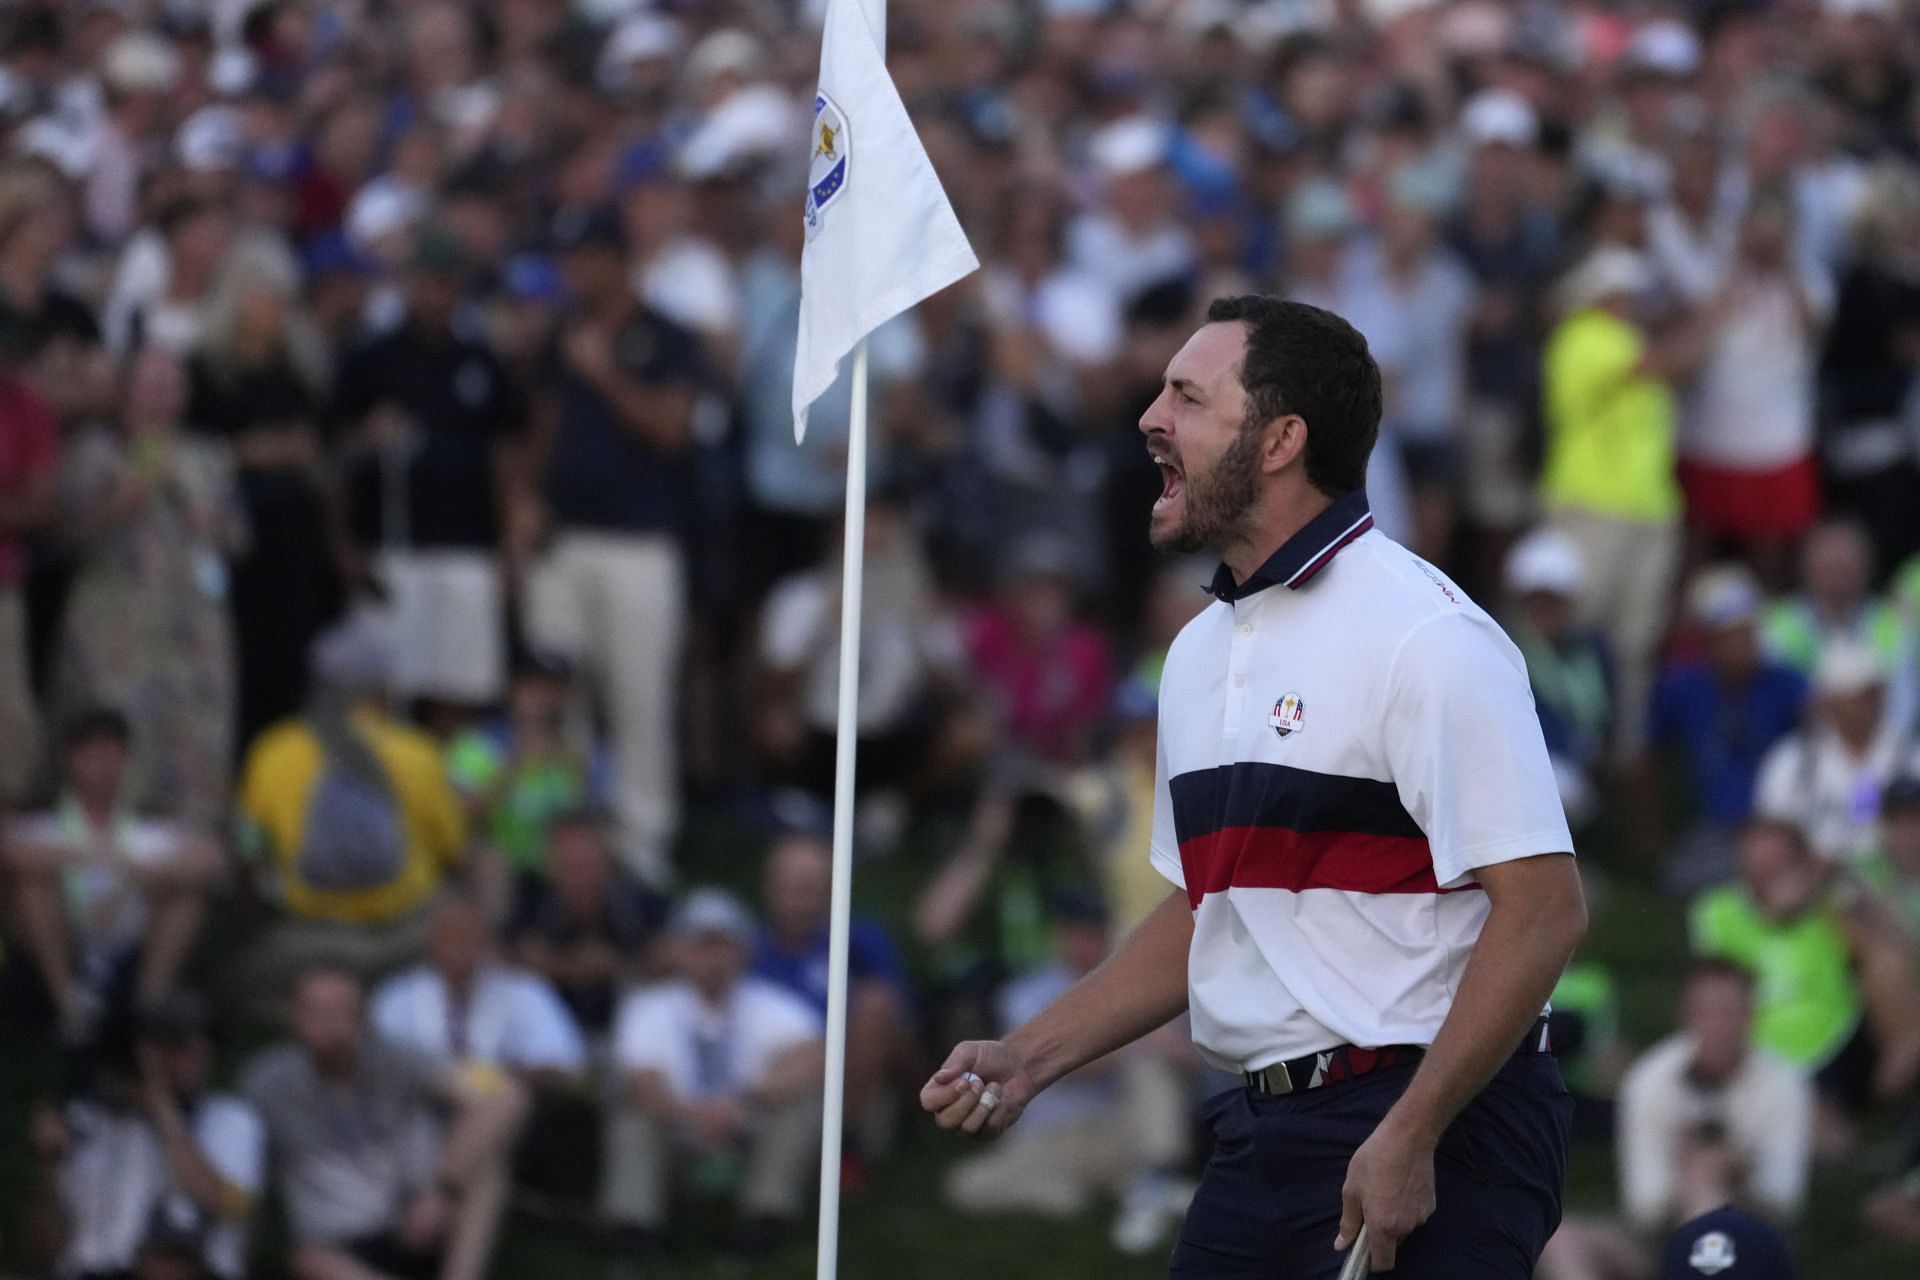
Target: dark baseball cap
x=1902 y=793
x=1727 y=1243
x=598 y=227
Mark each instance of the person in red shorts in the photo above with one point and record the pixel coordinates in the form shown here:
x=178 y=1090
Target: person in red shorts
x=1747 y=431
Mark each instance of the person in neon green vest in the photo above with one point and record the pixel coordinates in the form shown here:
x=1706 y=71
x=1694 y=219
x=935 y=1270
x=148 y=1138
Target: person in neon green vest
x=1836 y=602
x=1836 y=993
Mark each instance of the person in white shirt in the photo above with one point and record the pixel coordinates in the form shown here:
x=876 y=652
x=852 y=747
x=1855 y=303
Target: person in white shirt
x=1118 y=1125
x=719 y=1072
x=1373 y=888
x=102 y=894
x=1705 y=1120
x=1827 y=778
x=464 y=1008
x=154 y=1164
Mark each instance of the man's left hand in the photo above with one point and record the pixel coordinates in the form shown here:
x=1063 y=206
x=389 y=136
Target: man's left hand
x=1390 y=1188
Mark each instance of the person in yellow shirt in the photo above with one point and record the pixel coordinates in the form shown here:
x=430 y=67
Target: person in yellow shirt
x=1609 y=480
x=350 y=819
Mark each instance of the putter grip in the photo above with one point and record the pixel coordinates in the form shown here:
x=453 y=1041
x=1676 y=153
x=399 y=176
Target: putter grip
x=1355 y=1267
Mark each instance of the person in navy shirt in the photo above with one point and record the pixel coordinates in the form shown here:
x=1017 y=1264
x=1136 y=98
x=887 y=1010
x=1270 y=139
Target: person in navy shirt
x=792 y=954
x=1718 y=715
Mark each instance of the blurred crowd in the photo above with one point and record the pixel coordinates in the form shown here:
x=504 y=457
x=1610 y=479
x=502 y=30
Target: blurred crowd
x=413 y=604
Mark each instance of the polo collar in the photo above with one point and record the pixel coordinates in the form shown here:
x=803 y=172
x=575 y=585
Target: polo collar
x=1303 y=555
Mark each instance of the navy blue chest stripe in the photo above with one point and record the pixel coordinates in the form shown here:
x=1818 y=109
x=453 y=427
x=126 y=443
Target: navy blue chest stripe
x=1250 y=794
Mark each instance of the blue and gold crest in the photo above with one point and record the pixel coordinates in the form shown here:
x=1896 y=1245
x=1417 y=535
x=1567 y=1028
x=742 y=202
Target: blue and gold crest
x=826 y=162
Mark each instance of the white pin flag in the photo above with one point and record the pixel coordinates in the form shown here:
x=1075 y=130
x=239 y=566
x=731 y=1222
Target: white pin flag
x=880 y=233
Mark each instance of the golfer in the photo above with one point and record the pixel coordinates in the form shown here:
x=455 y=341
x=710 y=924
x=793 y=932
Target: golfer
x=1374 y=890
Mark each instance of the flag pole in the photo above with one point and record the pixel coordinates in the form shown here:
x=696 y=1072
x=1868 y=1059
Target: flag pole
x=832 y=1122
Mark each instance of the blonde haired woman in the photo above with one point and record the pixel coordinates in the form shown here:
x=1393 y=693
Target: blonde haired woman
x=256 y=380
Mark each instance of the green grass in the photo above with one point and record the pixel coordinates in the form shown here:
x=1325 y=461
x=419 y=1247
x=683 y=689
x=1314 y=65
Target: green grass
x=898 y=1229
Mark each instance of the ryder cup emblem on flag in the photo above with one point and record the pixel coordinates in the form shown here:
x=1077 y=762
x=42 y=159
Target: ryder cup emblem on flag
x=827 y=163
x=1289 y=715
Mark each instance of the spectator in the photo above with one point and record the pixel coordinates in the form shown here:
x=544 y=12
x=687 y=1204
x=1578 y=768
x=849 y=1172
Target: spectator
x=1045 y=672
x=29 y=503
x=1706 y=1120
x=255 y=377
x=354 y=818
x=1836 y=995
x=462 y=1008
x=912 y=666
x=108 y=902
x=982 y=917
x=435 y=425
x=608 y=587
x=387 y=1164
x=521 y=773
x=146 y=625
x=1828 y=776
x=1584 y=1029
x=1414 y=300
x=796 y=890
x=1718 y=716
x=1609 y=480
x=1133 y=238
x=1508 y=238
x=1836 y=603
x=1746 y=445
x=720 y=1068
x=584 y=924
x=1118 y=1125
x=156 y=1174
x=1566 y=665
x=1867 y=370
x=1891 y=873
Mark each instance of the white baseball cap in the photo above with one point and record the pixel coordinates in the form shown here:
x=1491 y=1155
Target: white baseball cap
x=1132 y=145
x=1723 y=595
x=1847 y=667
x=1667 y=46
x=1546 y=561
x=707 y=911
x=1499 y=117
x=1605 y=272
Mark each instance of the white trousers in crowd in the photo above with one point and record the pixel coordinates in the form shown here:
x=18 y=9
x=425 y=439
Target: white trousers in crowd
x=616 y=605
x=1057 y=1171
x=450 y=622
x=780 y=1164
x=1630 y=567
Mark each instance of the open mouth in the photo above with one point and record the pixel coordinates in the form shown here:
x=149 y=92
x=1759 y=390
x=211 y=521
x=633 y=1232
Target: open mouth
x=1172 y=483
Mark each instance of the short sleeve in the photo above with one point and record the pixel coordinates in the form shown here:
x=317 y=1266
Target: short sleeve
x=775 y=1022
x=643 y=1033
x=1593 y=362
x=1777 y=793
x=1165 y=846
x=234 y=1141
x=388 y=1011
x=1463 y=744
x=545 y=1036
x=792 y=621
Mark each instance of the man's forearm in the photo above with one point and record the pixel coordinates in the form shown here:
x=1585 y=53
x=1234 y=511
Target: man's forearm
x=1525 y=944
x=1141 y=986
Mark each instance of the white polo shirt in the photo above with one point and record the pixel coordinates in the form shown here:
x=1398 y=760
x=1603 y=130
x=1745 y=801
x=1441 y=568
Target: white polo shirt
x=1344 y=739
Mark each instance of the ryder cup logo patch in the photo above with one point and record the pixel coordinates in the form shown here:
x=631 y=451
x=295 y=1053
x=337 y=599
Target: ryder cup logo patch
x=1712 y=1254
x=827 y=162
x=1288 y=715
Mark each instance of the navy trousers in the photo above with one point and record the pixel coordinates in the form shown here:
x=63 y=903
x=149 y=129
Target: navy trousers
x=1269 y=1203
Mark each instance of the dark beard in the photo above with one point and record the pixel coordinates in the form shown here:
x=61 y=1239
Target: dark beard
x=1219 y=503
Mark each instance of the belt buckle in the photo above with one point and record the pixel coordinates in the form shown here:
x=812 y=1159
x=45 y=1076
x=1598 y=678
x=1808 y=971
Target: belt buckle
x=1274 y=1080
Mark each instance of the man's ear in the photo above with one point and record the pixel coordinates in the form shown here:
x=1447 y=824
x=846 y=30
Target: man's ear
x=1285 y=443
